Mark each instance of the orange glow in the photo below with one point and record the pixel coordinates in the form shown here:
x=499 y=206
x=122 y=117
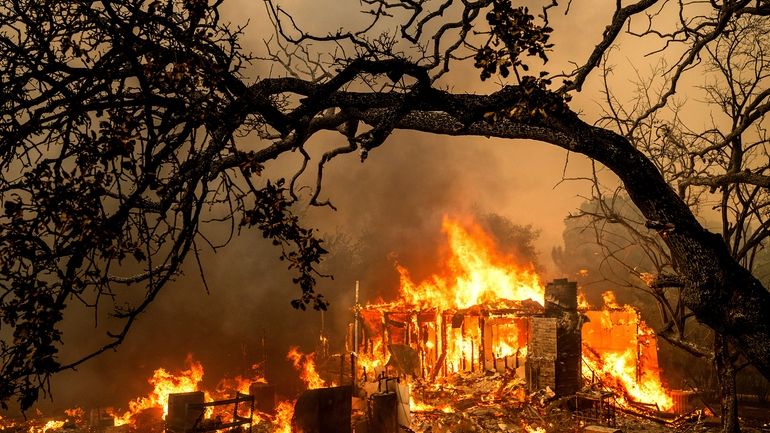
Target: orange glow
x=164 y=383
x=475 y=273
x=49 y=426
x=283 y=414
x=241 y=384
x=472 y=314
x=371 y=362
x=305 y=365
x=582 y=301
x=529 y=429
x=76 y=413
x=620 y=351
x=616 y=371
x=6 y=423
x=415 y=406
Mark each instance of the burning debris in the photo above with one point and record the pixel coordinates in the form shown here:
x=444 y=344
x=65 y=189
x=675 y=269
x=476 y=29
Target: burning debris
x=481 y=346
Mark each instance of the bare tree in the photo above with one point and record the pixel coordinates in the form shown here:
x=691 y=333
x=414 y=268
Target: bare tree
x=719 y=169
x=127 y=127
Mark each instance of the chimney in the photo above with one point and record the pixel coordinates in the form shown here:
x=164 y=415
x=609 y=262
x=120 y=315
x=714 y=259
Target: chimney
x=561 y=304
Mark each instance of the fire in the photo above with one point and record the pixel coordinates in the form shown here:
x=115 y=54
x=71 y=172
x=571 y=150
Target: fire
x=583 y=301
x=238 y=383
x=416 y=406
x=76 y=413
x=529 y=429
x=619 y=350
x=305 y=364
x=371 y=362
x=474 y=313
x=476 y=273
x=616 y=371
x=49 y=426
x=283 y=414
x=164 y=383
x=6 y=423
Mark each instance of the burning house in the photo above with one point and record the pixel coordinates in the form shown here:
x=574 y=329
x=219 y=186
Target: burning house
x=540 y=344
x=485 y=313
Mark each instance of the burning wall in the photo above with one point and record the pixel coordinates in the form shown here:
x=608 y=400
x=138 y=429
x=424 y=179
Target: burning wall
x=537 y=343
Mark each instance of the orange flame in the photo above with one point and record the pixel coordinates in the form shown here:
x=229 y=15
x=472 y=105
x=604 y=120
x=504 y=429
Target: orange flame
x=164 y=383
x=49 y=426
x=476 y=274
x=283 y=414
x=305 y=364
x=583 y=301
x=417 y=406
x=529 y=429
x=620 y=351
x=370 y=362
x=76 y=413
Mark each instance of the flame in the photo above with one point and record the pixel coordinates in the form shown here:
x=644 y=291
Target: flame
x=417 y=406
x=474 y=282
x=49 y=426
x=529 y=429
x=283 y=414
x=616 y=371
x=583 y=301
x=76 y=413
x=238 y=383
x=372 y=361
x=6 y=423
x=476 y=273
x=610 y=302
x=164 y=383
x=621 y=352
x=305 y=364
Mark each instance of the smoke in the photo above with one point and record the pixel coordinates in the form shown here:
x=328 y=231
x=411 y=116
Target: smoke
x=389 y=210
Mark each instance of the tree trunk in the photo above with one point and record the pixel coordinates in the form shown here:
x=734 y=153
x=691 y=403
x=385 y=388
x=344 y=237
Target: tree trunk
x=728 y=398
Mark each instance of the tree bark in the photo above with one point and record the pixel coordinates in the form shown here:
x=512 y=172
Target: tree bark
x=728 y=398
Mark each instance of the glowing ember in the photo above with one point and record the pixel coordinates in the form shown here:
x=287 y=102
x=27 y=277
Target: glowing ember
x=529 y=429
x=475 y=274
x=77 y=413
x=6 y=423
x=416 y=406
x=49 y=426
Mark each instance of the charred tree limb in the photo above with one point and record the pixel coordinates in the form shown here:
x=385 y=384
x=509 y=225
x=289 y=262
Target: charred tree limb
x=720 y=292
